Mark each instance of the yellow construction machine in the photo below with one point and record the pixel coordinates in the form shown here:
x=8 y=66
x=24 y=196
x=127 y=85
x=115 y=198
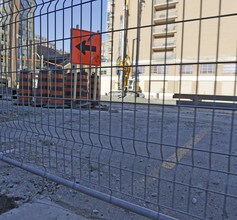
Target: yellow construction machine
x=124 y=67
x=127 y=83
x=123 y=61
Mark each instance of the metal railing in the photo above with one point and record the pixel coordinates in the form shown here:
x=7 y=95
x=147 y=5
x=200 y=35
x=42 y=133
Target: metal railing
x=166 y=56
x=74 y=119
x=157 y=2
x=162 y=16
x=170 y=43
x=164 y=30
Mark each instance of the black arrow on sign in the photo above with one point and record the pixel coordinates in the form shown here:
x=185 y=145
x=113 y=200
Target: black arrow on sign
x=83 y=47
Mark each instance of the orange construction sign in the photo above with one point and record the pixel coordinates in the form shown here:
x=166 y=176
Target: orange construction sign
x=85 y=47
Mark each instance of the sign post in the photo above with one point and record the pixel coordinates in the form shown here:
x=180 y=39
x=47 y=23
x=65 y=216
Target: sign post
x=75 y=83
x=95 y=86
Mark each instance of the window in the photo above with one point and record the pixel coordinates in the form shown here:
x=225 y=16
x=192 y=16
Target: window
x=20 y=32
x=207 y=68
x=186 y=69
x=159 y=69
x=103 y=72
x=140 y=69
x=230 y=68
x=108 y=16
x=4 y=27
x=4 y=37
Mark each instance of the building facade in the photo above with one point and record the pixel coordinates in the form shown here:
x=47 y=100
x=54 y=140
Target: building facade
x=17 y=35
x=40 y=40
x=182 y=46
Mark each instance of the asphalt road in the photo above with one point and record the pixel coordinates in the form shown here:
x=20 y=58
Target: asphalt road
x=176 y=160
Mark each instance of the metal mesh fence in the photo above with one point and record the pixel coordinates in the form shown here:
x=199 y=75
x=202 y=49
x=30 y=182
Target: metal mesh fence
x=132 y=102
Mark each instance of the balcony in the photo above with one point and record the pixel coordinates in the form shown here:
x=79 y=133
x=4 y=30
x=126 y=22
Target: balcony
x=164 y=4
x=161 y=58
x=162 y=18
x=164 y=31
x=164 y=46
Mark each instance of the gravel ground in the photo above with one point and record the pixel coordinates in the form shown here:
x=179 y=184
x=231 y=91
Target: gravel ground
x=129 y=150
x=24 y=187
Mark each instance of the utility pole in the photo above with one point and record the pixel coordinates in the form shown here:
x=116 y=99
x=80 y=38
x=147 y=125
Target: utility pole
x=139 y=18
x=14 y=29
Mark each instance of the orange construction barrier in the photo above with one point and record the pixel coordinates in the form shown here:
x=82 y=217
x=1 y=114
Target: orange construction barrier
x=93 y=87
x=81 y=87
x=25 y=88
x=57 y=89
x=42 y=91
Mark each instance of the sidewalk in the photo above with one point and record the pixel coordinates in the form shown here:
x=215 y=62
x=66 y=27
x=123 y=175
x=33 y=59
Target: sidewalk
x=40 y=210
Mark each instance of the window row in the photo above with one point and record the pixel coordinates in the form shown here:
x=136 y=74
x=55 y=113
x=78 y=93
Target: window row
x=230 y=68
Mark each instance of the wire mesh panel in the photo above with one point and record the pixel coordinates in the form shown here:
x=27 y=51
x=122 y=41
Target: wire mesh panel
x=132 y=102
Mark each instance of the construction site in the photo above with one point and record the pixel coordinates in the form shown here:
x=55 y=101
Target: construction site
x=118 y=110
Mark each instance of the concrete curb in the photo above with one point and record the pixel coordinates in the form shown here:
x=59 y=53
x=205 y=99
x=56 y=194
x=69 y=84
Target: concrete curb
x=40 y=210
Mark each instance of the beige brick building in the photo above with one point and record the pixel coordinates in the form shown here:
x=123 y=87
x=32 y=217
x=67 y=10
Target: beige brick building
x=185 y=46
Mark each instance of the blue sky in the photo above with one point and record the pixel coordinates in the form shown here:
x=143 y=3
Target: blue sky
x=55 y=19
